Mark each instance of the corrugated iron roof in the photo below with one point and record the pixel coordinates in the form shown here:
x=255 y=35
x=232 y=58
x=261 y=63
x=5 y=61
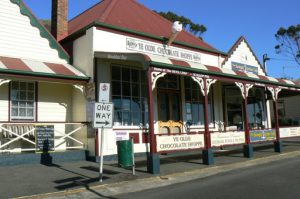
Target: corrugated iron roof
x=132 y=15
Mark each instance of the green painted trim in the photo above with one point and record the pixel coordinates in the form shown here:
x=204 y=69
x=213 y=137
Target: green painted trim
x=207 y=72
x=162 y=39
x=97 y=23
x=47 y=75
x=43 y=32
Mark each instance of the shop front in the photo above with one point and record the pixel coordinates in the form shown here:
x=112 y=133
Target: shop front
x=173 y=97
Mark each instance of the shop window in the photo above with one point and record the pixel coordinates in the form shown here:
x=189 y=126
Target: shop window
x=194 y=103
x=256 y=108
x=129 y=95
x=234 y=108
x=22 y=97
x=168 y=82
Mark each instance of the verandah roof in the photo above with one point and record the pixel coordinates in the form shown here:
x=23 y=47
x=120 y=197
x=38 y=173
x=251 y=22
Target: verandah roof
x=27 y=67
x=191 y=67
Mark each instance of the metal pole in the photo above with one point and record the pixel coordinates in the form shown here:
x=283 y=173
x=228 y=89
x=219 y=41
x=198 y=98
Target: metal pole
x=101 y=154
x=133 y=162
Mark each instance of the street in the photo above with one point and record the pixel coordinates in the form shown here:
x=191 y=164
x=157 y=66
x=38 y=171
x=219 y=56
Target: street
x=279 y=179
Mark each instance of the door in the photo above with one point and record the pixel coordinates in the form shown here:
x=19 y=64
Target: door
x=169 y=112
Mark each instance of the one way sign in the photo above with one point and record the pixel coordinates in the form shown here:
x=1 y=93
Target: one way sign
x=103 y=115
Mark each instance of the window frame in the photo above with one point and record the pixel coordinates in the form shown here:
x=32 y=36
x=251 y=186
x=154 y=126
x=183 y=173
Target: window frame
x=34 y=101
x=142 y=97
x=200 y=98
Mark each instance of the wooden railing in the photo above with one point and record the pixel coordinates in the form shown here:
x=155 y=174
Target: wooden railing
x=21 y=137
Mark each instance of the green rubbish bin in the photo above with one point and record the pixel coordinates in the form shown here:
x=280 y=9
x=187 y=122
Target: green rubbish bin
x=125 y=153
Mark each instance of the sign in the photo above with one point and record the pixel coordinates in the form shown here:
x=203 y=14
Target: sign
x=244 y=68
x=179 y=142
x=103 y=115
x=227 y=138
x=262 y=135
x=289 y=132
x=104 y=90
x=44 y=138
x=161 y=50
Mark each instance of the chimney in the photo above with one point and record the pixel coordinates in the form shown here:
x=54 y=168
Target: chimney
x=59 y=21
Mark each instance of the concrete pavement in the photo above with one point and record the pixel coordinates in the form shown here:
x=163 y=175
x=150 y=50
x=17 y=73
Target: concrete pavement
x=80 y=179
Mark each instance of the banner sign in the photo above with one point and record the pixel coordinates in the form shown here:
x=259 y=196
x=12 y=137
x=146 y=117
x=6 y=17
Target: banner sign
x=227 y=138
x=179 y=142
x=244 y=68
x=262 y=135
x=161 y=50
x=289 y=132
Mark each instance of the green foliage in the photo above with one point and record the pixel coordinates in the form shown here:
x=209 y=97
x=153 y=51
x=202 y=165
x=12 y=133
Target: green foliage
x=194 y=28
x=289 y=42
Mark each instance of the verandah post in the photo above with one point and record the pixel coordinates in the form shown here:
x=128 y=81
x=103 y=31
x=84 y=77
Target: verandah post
x=153 y=160
x=277 y=144
x=207 y=153
x=247 y=148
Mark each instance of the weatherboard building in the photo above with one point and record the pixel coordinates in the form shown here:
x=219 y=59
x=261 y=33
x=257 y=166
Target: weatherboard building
x=171 y=91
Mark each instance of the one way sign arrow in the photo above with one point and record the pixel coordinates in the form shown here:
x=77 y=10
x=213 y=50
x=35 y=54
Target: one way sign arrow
x=103 y=115
x=106 y=123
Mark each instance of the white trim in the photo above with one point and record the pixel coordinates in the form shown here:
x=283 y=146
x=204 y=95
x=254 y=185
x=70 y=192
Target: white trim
x=38 y=66
x=252 y=75
x=272 y=79
x=2 y=65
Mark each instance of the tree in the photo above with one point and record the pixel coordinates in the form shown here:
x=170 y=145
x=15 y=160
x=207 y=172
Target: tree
x=289 y=42
x=194 y=28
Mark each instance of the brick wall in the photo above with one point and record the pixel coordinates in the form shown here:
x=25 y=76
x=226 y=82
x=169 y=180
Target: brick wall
x=59 y=27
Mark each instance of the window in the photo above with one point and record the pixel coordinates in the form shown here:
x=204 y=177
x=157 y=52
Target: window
x=194 y=103
x=129 y=95
x=234 y=107
x=168 y=82
x=22 y=96
x=256 y=108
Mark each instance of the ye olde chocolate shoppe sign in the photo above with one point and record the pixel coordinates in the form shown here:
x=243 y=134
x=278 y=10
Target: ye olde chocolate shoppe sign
x=161 y=50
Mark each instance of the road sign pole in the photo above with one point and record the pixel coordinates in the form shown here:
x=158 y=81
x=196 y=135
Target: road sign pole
x=101 y=154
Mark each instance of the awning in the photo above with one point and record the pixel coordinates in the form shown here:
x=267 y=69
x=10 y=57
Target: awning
x=25 y=67
x=198 y=68
x=168 y=63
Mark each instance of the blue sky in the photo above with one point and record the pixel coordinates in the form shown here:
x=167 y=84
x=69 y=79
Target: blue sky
x=226 y=21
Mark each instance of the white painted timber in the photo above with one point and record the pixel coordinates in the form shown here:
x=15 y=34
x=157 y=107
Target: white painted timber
x=243 y=54
x=18 y=38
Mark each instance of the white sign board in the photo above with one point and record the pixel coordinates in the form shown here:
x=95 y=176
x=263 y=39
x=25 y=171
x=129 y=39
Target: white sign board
x=227 y=138
x=103 y=115
x=161 y=50
x=289 y=132
x=179 y=142
x=104 y=90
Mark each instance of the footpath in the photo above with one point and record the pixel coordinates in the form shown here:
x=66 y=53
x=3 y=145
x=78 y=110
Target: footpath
x=81 y=179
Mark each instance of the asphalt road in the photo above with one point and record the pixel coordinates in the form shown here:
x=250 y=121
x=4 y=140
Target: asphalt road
x=274 y=180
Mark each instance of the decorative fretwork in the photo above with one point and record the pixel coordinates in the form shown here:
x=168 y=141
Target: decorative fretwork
x=155 y=76
x=209 y=82
x=199 y=81
x=244 y=88
x=4 y=81
x=274 y=91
